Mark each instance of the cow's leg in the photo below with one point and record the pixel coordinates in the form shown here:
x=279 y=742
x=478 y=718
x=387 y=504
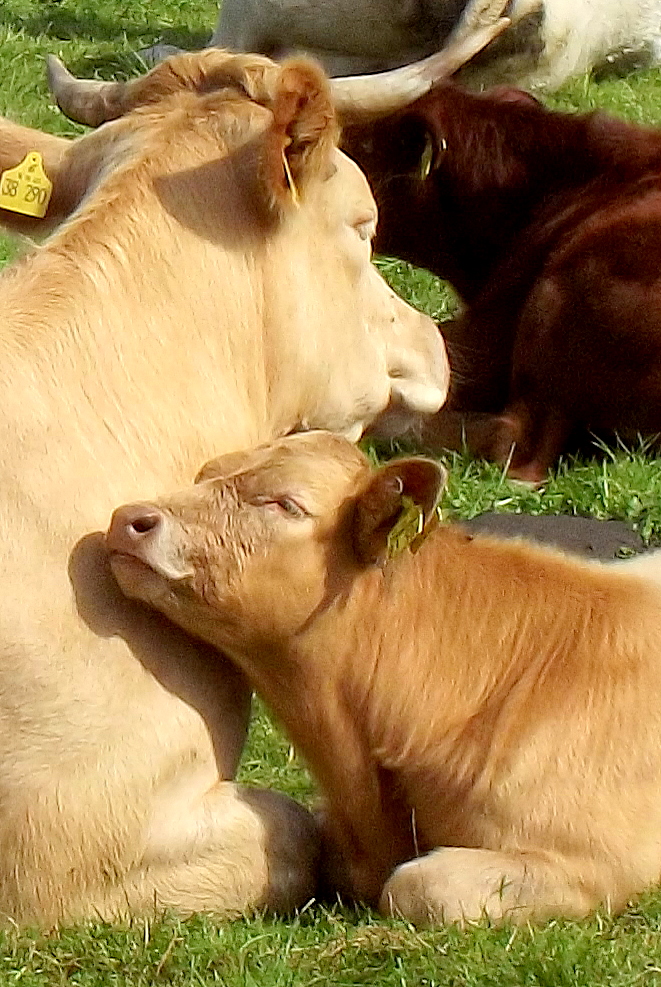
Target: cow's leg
x=245 y=25
x=157 y=53
x=531 y=441
x=482 y=433
x=529 y=444
x=237 y=850
x=455 y=884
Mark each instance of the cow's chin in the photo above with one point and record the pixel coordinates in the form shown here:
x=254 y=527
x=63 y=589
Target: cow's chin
x=409 y=404
x=396 y=422
x=140 y=581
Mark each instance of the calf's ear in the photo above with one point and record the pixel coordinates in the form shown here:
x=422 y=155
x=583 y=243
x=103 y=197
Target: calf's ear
x=221 y=466
x=391 y=492
x=304 y=132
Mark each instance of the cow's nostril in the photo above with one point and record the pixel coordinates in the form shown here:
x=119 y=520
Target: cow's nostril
x=146 y=523
x=133 y=525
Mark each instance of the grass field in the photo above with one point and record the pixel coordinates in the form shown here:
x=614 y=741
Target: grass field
x=321 y=945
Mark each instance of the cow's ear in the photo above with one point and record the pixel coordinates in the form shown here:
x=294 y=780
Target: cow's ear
x=16 y=142
x=303 y=134
x=221 y=466
x=406 y=490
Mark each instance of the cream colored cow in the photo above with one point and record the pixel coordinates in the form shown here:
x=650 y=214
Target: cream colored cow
x=483 y=716
x=211 y=288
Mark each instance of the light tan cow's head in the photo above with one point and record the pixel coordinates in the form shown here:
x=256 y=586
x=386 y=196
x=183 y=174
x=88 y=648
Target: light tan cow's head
x=232 y=161
x=267 y=539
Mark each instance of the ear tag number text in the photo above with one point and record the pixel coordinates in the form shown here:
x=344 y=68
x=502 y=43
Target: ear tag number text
x=26 y=188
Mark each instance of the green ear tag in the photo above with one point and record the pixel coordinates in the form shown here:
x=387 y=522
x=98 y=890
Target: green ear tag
x=406 y=528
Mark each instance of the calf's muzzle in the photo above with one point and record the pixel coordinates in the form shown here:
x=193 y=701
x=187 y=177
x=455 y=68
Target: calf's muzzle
x=131 y=526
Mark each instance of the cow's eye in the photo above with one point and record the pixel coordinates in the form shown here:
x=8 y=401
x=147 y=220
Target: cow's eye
x=290 y=507
x=284 y=505
x=365 y=224
x=366 y=228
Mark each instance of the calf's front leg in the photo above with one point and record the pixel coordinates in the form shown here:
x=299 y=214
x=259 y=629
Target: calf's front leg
x=457 y=884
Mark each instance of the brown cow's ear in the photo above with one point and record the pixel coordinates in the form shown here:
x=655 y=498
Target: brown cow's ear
x=300 y=141
x=391 y=492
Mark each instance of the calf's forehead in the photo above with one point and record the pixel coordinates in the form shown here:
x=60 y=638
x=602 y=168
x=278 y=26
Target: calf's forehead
x=321 y=466
x=297 y=447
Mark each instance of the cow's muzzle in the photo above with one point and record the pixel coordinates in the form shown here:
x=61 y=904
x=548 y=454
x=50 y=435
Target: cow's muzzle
x=146 y=534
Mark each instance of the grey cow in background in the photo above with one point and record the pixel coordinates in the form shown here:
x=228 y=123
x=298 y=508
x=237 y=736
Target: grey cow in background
x=548 y=41
x=347 y=36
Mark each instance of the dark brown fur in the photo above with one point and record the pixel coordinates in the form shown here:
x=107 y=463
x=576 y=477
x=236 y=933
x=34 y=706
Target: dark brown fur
x=548 y=224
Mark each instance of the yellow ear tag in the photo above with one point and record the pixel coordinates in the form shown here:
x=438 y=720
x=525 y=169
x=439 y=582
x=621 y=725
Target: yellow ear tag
x=426 y=160
x=290 y=180
x=26 y=188
x=406 y=529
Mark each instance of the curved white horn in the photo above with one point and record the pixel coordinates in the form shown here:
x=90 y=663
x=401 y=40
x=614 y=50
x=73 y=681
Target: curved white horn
x=360 y=98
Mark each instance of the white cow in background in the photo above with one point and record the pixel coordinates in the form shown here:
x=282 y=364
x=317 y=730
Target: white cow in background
x=549 y=40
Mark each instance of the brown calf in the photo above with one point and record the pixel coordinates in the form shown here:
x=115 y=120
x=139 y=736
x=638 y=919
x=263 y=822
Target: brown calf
x=483 y=716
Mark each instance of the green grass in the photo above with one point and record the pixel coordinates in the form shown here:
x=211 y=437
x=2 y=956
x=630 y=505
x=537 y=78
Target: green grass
x=332 y=946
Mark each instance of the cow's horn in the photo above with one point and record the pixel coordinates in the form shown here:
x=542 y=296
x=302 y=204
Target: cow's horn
x=360 y=98
x=84 y=100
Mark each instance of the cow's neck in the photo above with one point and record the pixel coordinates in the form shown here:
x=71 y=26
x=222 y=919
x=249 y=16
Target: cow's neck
x=140 y=381
x=509 y=163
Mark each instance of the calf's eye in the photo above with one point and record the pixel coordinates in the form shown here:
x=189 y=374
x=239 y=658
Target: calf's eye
x=290 y=507
x=284 y=505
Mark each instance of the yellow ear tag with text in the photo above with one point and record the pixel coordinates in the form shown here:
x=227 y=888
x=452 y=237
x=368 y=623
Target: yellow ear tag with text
x=26 y=188
x=409 y=530
x=406 y=529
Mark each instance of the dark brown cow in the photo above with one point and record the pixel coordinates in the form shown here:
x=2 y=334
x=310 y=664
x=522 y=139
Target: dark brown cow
x=548 y=224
